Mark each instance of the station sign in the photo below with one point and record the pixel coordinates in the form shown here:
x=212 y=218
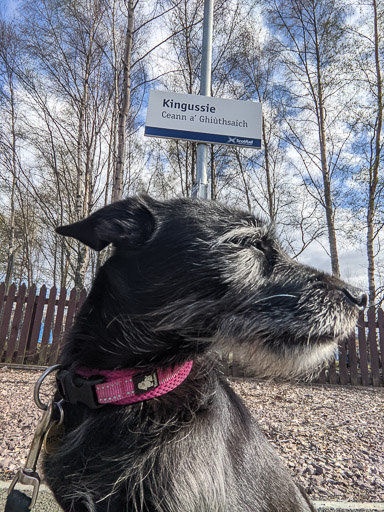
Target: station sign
x=204 y=119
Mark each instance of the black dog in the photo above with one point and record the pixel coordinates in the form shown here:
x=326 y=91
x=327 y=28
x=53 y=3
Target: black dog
x=187 y=279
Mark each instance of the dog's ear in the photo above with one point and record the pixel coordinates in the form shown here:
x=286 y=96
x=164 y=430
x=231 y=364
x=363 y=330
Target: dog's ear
x=127 y=223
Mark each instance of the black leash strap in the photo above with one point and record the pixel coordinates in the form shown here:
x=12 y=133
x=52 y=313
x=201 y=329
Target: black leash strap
x=17 y=501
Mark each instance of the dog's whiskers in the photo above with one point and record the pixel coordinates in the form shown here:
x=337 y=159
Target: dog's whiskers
x=274 y=296
x=309 y=335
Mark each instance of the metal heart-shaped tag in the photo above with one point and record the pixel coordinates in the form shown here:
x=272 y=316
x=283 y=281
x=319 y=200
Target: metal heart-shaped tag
x=53 y=438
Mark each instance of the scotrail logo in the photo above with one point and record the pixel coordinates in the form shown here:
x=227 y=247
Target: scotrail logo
x=236 y=140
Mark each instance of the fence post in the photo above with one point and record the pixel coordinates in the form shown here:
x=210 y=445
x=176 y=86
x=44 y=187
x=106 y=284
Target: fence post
x=13 y=335
x=25 y=330
x=47 y=325
x=33 y=338
x=57 y=330
x=372 y=339
x=2 y=295
x=322 y=377
x=380 y=323
x=70 y=311
x=363 y=348
x=332 y=373
x=352 y=359
x=343 y=362
x=7 y=313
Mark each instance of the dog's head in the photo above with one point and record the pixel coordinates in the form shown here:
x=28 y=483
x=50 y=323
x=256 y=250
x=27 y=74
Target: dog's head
x=187 y=276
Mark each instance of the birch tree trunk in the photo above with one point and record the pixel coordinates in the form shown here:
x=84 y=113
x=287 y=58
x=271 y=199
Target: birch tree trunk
x=213 y=174
x=11 y=237
x=124 y=108
x=320 y=112
x=374 y=167
x=82 y=183
x=270 y=193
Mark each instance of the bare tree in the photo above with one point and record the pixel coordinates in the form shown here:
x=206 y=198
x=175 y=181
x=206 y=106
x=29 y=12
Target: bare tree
x=125 y=103
x=132 y=79
x=311 y=37
x=369 y=133
x=9 y=53
x=254 y=63
x=66 y=72
x=376 y=157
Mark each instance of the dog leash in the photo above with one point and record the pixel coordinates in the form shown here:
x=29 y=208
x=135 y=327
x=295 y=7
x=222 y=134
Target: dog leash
x=46 y=430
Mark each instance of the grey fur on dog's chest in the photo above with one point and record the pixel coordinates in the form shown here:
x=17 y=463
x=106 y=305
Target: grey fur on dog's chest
x=244 y=473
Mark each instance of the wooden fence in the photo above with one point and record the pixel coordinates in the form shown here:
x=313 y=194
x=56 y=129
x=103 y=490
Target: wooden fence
x=33 y=325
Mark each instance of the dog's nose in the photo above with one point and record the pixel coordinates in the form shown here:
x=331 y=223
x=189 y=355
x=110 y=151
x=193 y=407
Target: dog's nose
x=356 y=296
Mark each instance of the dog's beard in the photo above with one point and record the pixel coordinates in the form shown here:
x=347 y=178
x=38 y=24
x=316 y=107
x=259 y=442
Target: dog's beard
x=289 y=362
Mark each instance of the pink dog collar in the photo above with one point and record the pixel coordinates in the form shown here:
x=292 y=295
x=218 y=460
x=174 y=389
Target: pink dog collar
x=124 y=387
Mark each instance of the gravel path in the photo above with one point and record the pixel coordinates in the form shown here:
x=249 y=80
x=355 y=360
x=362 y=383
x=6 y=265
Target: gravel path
x=331 y=438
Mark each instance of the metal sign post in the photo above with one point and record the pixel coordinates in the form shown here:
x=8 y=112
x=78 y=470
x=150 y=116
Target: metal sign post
x=202 y=118
x=200 y=189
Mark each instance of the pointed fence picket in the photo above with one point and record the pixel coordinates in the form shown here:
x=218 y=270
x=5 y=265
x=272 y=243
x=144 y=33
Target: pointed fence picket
x=15 y=323
x=26 y=325
x=47 y=325
x=57 y=329
x=33 y=325
x=6 y=316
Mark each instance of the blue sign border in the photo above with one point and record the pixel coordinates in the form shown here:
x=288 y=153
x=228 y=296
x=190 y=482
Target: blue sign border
x=152 y=131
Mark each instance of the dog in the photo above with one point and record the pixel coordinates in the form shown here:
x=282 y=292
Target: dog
x=188 y=279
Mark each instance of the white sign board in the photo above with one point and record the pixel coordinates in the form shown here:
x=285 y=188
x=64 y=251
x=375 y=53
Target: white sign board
x=204 y=119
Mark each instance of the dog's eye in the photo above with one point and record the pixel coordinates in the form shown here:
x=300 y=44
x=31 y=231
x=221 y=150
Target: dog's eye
x=243 y=242
x=260 y=245
x=249 y=242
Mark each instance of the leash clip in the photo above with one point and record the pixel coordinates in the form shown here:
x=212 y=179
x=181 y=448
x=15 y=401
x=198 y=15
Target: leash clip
x=16 y=500
x=26 y=477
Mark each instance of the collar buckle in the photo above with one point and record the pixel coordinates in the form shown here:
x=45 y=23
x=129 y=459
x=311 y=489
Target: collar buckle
x=75 y=389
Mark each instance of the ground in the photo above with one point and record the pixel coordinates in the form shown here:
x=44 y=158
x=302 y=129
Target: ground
x=331 y=437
